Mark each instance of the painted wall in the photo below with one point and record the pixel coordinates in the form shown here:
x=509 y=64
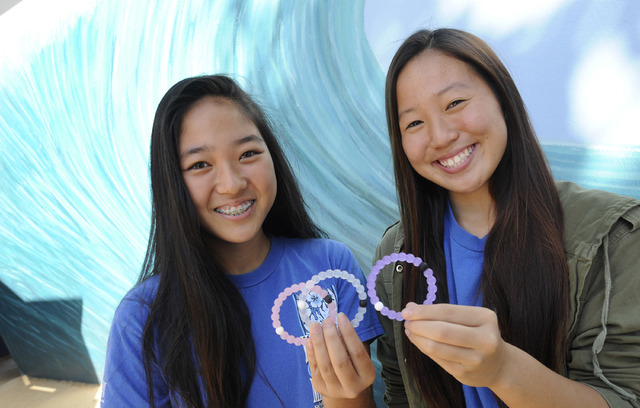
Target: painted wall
x=80 y=80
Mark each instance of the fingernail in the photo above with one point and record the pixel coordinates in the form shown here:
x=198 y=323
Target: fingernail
x=342 y=318
x=315 y=328
x=328 y=322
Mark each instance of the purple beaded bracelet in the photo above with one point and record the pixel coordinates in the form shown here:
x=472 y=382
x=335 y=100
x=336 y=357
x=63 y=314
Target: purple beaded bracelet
x=402 y=257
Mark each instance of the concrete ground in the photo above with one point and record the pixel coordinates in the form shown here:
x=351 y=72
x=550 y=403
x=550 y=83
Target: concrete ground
x=20 y=391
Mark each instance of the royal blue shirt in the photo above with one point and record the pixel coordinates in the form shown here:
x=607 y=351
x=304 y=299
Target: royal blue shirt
x=464 y=254
x=282 y=368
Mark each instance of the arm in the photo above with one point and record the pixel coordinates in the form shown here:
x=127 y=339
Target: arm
x=124 y=381
x=466 y=342
x=606 y=330
x=341 y=367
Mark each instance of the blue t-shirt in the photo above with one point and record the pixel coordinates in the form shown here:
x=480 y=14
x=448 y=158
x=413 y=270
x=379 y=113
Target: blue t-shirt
x=282 y=367
x=464 y=255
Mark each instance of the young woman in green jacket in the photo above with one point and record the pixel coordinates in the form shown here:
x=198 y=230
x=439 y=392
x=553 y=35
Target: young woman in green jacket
x=537 y=299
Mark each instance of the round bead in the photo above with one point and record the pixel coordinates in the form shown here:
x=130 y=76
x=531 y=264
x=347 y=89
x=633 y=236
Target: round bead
x=378 y=306
x=279 y=330
x=302 y=304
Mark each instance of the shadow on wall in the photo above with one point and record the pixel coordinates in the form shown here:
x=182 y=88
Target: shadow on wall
x=44 y=338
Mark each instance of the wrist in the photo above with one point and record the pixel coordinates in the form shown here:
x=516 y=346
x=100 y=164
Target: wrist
x=507 y=375
x=364 y=400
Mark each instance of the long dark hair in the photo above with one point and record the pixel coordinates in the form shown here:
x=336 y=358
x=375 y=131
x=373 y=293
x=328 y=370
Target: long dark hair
x=525 y=274
x=197 y=310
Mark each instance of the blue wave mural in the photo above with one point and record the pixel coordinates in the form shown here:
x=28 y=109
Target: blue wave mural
x=76 y=106
x=74 y=133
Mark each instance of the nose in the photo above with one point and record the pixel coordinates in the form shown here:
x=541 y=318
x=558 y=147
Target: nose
x=229 y=180
x=443 y=133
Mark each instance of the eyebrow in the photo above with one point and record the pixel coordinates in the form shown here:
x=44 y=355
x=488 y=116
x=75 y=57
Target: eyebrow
x=248 y=139
x=444 y=90
x=237 y=142
x=451 y=86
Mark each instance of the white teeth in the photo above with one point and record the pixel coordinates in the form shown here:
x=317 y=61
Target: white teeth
x=457 y=159
x=235 y=210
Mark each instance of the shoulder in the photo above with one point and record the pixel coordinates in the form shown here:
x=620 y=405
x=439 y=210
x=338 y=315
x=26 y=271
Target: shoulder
x=144 y=292
x=593 y=201
x=591 y=214
x=136 y=303
x=392 y=239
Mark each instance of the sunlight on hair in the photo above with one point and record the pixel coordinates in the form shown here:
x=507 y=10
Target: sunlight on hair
x=603 y=94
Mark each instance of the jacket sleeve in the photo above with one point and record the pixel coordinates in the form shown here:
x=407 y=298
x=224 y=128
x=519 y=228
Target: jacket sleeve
x=395 y=394
x=604 y=348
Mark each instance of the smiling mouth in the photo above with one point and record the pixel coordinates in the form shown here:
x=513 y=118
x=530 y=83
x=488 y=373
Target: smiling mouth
x=234 y=211
x=454 y=161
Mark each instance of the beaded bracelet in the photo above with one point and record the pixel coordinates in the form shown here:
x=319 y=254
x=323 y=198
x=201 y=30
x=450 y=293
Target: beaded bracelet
x=416 y=261
x=336 y=273
x=275 y=310
x=311 y=285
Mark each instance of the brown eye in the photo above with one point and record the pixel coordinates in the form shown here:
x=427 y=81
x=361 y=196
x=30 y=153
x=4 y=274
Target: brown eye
x=414 y=123
x=455 y=103
x=248 y=154
x=198 y=166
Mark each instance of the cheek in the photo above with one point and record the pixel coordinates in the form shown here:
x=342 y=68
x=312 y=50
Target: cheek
x=273 y=183
x=477 y=122
x=197 y=192
x=266 y=177
x=486 y=120
x=414 y=148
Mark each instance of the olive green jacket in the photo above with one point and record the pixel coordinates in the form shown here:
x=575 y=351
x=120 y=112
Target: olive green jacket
x=602 y=244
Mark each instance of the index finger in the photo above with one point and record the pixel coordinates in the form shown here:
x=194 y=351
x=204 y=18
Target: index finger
x=458 y=314
x=356 y=353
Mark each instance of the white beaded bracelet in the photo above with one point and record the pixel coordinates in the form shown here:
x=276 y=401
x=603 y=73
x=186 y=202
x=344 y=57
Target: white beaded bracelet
x=335 y=273
x=311 y=286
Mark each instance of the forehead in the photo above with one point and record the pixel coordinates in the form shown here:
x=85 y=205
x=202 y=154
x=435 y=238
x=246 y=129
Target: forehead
x=433 y=71
x=216 y=118
x=214 y=108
